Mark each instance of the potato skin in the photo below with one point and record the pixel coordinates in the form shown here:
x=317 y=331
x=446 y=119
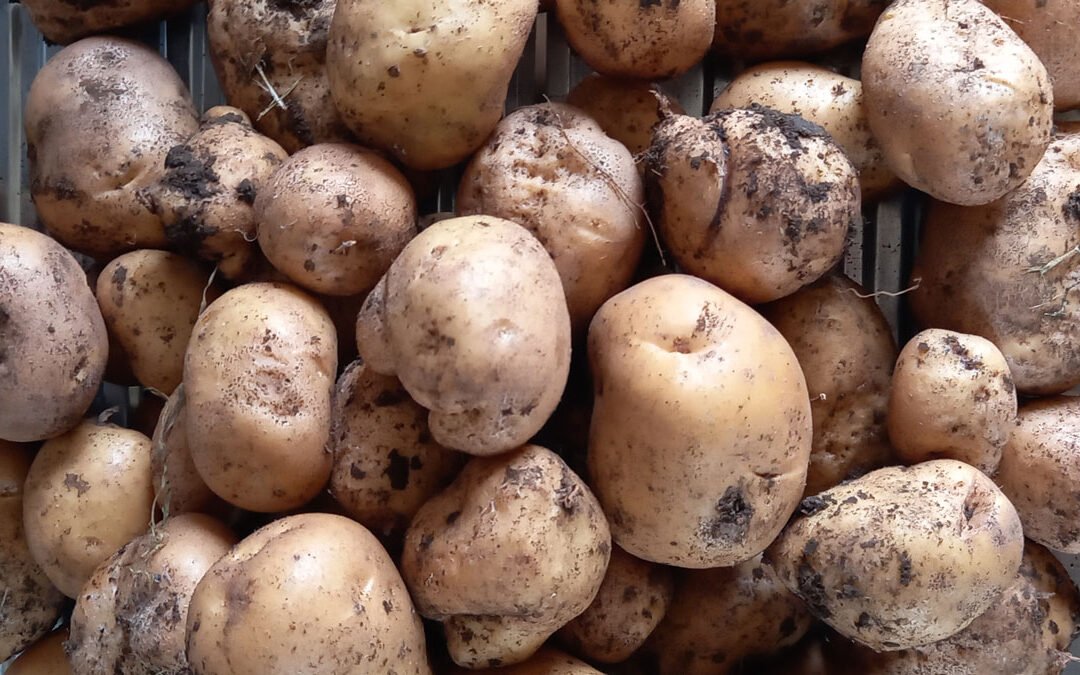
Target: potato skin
x=769 y=29
x=547 y=661
x=44 y=657
x=62 y=22
x=259 y=379
x=178 y=487
x=701 y=431
x=903 y=556
x=53 y=342
x=997 y=128
x=283 y=583
x=88 y=493
x=116 y=106
x=626 y=110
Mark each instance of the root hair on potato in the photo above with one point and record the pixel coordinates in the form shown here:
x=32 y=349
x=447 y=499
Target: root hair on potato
x=206 y=289
x=276 y=99
x=887 y=294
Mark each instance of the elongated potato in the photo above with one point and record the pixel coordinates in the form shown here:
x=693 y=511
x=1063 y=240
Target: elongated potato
x=44 y=657
x=769 y=29
x=61 y=21
x=178 y=487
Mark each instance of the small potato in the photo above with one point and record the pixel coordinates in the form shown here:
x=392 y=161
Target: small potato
x=769 y=29
x=53 y=342
x=472 y=319
x=131 y=616
x=513 y=550
x=61 y=21
x=754 y=201
x=961 y=106
x=551 y=169
x=547 y=661
x=88 y=493
x=312 y=593
x=626 y=110
x=150 y=300
x=333 y=217
x=259 y=379
x=44 y=657
x=100 y=118
x=642 y=40
x=178 y=487
x=903 y=556
x=631 y=602
x=951 y=398
x=846 y=350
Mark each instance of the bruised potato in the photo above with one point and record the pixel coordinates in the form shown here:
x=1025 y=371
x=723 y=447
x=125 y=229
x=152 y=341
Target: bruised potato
x=178 y=487
x=44 y=657
x=769 y=29
x=62 y=22
x=625 y=109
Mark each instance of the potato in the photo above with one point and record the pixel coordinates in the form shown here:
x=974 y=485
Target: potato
x=754 y=201
x=758 y=30
x=719 y=617
x=513 y=550
x=952 y=398
x=31 y=603
x=547 y=661
x=472 y=319
x=259 y=379
x=388 y=63
x=386 y=464
x=825 y=98
x=261 y=45
x=633 y=598
x=971 y=120
x=307 y=593
x=100 y=118
x=903 y=556
x=701 y=432
x=53 y=343
x=644 y=40
x=88 y=493
x=62 y=22
x=333 y=218
x=1017 y=280
x=846 y=350
x=178 y=487
x=552 y=169
x=1058 y=596
x=44 y=657
x=131 y=616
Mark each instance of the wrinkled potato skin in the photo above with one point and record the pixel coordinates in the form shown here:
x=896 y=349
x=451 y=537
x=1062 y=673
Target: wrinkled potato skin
x=631 y=602
x=53 y=342
x=351 y=614
x=44 y=657
x=639 y=40
x=259 y=380
x=32 y=604
x=994 y=290
x=903 y=556
x=387 y=63
x=1049 y=29
x=825 y=98
x=846 y=350
x=551 y=169
x=100 y=118
x=971 y=121
x=702 y=402
x=472 y=319
x=178 y=487
x=88 y=493
x=951 y=398
x=769 y=29
x=62 y=22
x=333 y=217
x=547 y=661
x=513 y=550
x=626 y=110
x=126 y=621
x=287 y=40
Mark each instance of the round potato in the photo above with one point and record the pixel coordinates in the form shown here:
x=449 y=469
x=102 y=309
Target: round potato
x=969 y=123
x=903 y=556
x=178 y=487
x=552 y=169
x=701 y=431
x=259 y=378
x=547 y=661
x=62 y=22
x=333 y=217
x=769 y=29
x=88 y=493
x=100 y=119
x=472 y=319
x=53 y=341
x=307 y=593
x=44 y=657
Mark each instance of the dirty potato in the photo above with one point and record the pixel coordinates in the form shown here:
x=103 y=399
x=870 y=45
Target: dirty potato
x=178 y=487
x=547 y=661
x=62 y=22
x=626 y=110
x=769 y=29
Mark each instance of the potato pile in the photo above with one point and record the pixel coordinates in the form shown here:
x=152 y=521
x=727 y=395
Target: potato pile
x=620 y=410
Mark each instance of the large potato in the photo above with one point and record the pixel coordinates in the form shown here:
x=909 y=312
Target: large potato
x=44 y=657
x=387 y=64
x=513 y=550
x=701 y=432
x=472 y=319
x=178 y=487
x=764 y=29
x=62 y=21
x=53 y=342
x=313 y=593
x=259 y=379
x=961 y=106
x=100 y=119
x=903 y=556
x=552 y=169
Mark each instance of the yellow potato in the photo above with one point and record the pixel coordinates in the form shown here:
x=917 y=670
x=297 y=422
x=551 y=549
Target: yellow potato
x=547 y=661
x=768 y=29
x=625 y=109
x=61 y=21
x=44 y=657
x=1049 y=29
x=178 y=487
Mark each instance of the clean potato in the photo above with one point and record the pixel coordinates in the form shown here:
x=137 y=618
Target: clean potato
x=472 y=319
x=44 y=657
x=903 y=556
x=701 y=431
x=768 y=29
x=1048 y=28
x=53 y=341
x=178 y=487
x=61 y=21
x=626 y=110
